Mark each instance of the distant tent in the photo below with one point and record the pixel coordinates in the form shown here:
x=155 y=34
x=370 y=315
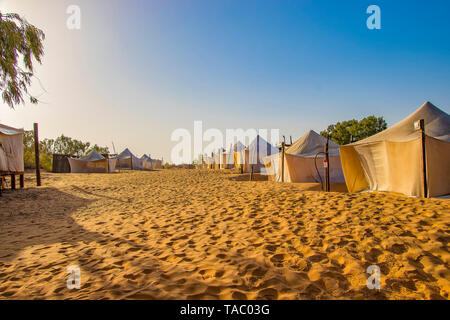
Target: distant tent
x=392 y=159
x=299 y=162
x=150 y=164
x=219 y=158
x=209 y=162
x=127 y=160
x=92 y=163
x=252 y=157
x=230 y=156
x=11 y=150
x=147 y=163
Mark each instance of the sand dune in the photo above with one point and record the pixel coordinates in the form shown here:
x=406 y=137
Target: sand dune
x=197 y=234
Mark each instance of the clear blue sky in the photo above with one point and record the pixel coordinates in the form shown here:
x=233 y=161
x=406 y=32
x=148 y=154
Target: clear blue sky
x=137 y=70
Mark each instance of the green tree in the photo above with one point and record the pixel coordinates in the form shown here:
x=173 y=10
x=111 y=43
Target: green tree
x=343 y=132
x=60 y=145
x=19 y=40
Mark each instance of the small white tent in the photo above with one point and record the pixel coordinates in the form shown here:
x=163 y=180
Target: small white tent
x=300 y=161
x=127 y=160
x=11 y=150
x=252 y=157
x=150 y=164
x=392 y=159
x=93 y=162
x=231 y=155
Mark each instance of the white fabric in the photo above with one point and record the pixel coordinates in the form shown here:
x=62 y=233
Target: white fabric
x=300 y=163
x=11 y=149
x=127 y=160
x=253 y=156
x=392 y=159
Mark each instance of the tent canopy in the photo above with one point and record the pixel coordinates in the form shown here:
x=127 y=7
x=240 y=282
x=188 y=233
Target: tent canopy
x=437 y=125
x=300 y=163
x=311 y=144
x=11 y=149
x=392 y=159
x=91 y=163
x=92 y=156
x=126 y=154
x=127 y=160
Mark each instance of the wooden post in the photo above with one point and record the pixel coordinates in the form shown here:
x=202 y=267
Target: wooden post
x=36 y=155
x=251 y=174
x=282 y=161
x=327 y=168
x=13 y=182
x=424 y=159
x=22 y=181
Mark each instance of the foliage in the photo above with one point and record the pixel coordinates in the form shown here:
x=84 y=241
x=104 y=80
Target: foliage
x=19 y=40
x=60 y=145
x=342 y=132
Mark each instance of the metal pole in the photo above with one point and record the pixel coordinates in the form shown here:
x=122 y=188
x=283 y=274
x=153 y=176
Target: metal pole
x=36 y=155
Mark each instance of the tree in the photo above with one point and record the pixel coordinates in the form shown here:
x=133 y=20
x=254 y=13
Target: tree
x=342 y=132
x=18 y=40
x=60 y=145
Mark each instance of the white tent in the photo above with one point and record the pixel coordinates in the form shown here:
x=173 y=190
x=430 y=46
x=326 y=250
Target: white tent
x=147 y=163
x=230 y=156
x=11 y=150
x=127 y=160
x=93 y=162
x=252 y=157
x=220 y=159
x=150 y=164
x=392 y=159
x=300 y=161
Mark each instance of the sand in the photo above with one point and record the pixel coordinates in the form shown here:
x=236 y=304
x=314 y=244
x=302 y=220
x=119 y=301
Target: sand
x=198 y=234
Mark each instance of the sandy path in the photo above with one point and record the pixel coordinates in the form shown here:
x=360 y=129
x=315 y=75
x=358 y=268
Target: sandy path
x=176 y=234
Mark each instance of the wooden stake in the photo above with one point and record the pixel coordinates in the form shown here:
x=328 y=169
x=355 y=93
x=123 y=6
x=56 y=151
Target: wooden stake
x=282 y=161
x=36 y=155
x=327 y=168
x=424 y=159
x=13 y=182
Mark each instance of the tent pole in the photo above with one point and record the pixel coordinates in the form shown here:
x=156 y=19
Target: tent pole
x=327 y=167
x=424 y=159
x=36 y=155
x=282 y=161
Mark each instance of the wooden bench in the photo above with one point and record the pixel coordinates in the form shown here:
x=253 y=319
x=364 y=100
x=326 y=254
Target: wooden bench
x=4 y=174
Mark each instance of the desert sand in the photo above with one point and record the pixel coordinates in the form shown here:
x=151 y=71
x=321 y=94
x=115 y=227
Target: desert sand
x=200 y=234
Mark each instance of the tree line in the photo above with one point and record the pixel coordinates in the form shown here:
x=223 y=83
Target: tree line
x=61 y=145
x=353 y=130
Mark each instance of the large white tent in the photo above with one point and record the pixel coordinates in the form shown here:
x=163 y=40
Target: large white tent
x=251 y=159
x=93 y=162
x=303 y=161
x=127 y=160
x=392 y=159
x=11 y=150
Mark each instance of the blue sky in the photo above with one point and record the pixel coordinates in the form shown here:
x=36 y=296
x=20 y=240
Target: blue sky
x=137 y=70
